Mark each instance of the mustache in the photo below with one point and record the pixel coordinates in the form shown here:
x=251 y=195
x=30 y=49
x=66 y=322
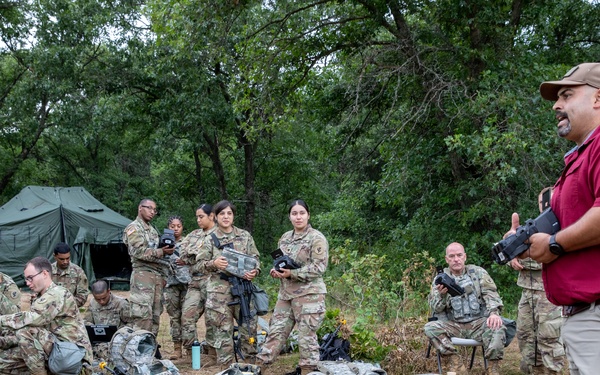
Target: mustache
x=561 y=114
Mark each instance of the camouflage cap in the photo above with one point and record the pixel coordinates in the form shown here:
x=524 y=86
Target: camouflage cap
x=582 y=74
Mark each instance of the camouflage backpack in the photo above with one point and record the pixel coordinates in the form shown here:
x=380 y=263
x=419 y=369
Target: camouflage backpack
x=132 y=352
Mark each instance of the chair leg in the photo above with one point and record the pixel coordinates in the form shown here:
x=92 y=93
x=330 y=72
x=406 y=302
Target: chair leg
x=439 y=361
x=472 y=357
x=485 y=362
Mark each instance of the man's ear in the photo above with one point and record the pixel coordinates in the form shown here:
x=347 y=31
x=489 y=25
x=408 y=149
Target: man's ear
x=597 y=99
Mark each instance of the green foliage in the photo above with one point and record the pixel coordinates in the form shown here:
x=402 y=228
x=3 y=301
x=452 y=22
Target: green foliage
x=404 y=125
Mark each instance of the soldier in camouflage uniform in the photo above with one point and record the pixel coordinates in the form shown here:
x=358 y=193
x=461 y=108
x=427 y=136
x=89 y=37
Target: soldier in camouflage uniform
x=69 y=275
x=539 y=321
x=10 y=295
x=149 y=269
x=10 y=302
x=219 y=314
x=53 y=314
x=177 y=286
x=195 y=299
x=475 y=314
x=107 y=309
x=301 y=298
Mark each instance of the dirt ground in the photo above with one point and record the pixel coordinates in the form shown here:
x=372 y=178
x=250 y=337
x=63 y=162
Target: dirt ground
x=287 y=362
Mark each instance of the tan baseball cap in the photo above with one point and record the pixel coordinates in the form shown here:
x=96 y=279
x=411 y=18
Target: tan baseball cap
x=582 y=74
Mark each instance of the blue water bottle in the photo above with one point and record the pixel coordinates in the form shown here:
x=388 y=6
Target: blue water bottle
x=196 y=355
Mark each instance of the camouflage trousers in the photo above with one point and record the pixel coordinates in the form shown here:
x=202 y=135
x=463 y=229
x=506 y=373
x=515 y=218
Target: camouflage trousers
x=30 y=354
x=536 y=311
x=308 y=312
x=145 y=299
x=174 y=297
x=440 y=332
x=220 y=316
x=193 y=309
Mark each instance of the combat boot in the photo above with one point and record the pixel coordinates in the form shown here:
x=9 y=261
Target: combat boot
x=493 y=367
x=455 y=364
x=177 y=354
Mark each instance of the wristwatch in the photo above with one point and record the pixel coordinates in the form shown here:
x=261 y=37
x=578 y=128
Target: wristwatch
x=555 y=247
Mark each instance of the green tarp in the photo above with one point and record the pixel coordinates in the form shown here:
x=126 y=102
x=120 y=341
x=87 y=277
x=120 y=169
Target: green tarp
x=38 y=218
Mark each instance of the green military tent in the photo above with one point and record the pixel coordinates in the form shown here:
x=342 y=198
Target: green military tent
x=35 y=220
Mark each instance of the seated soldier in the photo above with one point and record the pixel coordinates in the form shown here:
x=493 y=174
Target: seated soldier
x=475 y=314
x=69 y=275
x=53 y=315
x=10 y=295
x=106 y=309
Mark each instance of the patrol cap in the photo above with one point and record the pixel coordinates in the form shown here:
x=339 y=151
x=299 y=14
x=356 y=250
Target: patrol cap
x=582 y=74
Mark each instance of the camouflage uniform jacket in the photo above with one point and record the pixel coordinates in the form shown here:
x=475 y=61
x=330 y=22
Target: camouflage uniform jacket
x=10 y=295
x=72 y=279
x=242 y=242
x=115 y=312
x=142 y=240
x=311 y=250
x=484 y=289
x=56 y=311
x=177 y=275
x=530 y=277
x=190 y=248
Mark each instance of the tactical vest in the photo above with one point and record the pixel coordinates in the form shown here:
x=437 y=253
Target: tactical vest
x=468 y=306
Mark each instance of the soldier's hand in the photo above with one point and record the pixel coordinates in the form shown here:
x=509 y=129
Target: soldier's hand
x=442 y=289
x=220 y=263
x=180 y=262
x=283 y=274
x=515 y=264
x=494 y=321
x=168 y=250
x=250 y=275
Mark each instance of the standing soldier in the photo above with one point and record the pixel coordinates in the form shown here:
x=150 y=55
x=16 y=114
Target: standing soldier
x=53 y=315
x=302 y=291
x=148 y=269
x=195 y=299
x=177 y=286
x=219 y=312
x=69 y=275
x=106 y=309
x=539 y=321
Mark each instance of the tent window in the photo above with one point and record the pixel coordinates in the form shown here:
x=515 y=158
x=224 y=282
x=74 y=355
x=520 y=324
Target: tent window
x=92 y=208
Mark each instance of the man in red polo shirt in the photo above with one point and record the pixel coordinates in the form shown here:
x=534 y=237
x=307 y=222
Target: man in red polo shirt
x=571 y=257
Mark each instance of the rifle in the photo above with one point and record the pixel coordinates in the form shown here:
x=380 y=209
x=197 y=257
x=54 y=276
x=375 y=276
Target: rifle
x=241 y=290
x=323 y=350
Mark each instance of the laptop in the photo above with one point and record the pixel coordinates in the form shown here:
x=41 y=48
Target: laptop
x=100 y=333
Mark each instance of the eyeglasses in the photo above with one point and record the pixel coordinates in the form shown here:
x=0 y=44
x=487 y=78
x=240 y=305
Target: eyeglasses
x=151 y=208
x=30 y=278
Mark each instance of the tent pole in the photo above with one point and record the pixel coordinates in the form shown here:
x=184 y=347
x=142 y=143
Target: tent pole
x=62 y=225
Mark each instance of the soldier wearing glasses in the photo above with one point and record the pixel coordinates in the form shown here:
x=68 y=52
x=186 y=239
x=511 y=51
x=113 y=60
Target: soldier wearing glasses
x=53 y=315
x=148 y=273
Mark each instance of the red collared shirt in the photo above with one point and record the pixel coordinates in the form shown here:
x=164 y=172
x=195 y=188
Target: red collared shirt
x=575 y=276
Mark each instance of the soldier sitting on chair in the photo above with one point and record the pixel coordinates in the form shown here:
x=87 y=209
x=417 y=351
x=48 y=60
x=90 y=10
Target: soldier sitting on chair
x=474 y=314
